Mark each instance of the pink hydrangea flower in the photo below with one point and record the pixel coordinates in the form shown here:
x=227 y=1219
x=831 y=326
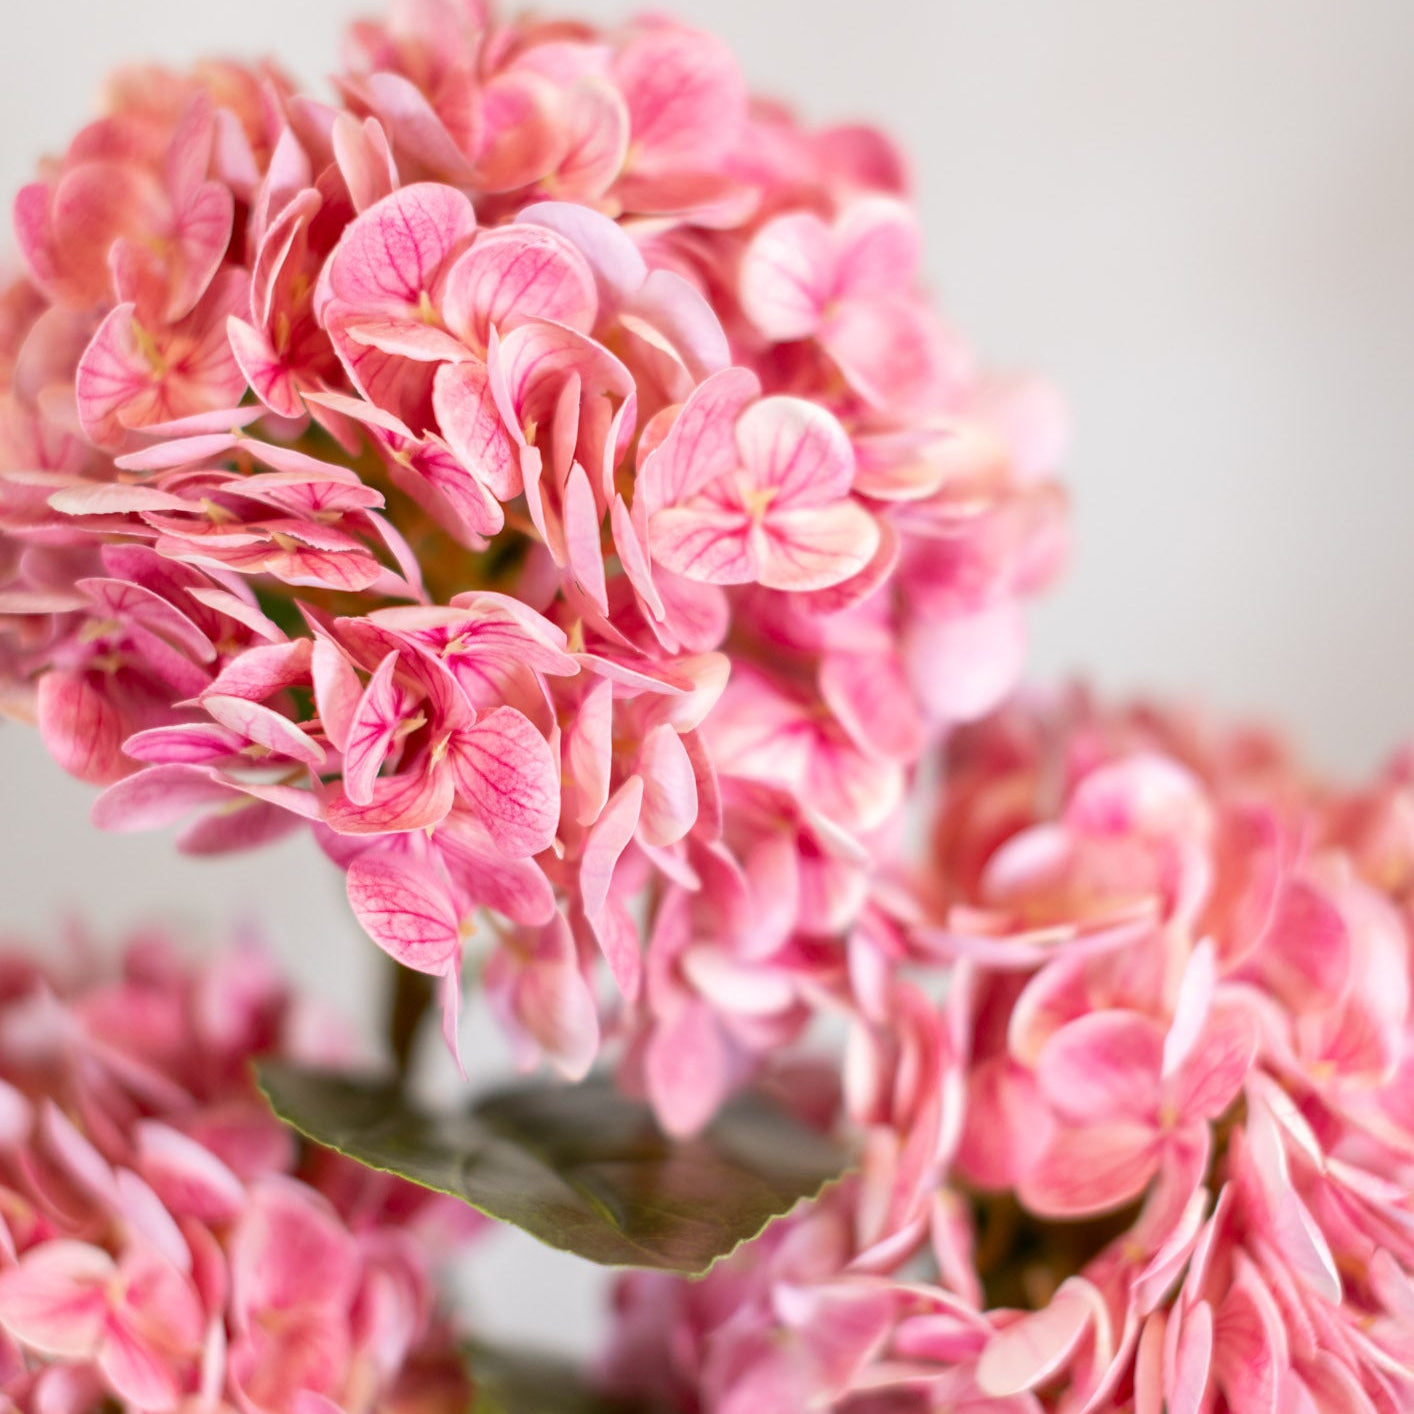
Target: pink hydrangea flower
x=165 y=1244
x=455 y=468
x=1150 y=1152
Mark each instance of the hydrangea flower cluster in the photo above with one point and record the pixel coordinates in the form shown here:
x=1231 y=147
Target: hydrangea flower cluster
x=1152 y=1149
x=540 y=473
x=164 y=1242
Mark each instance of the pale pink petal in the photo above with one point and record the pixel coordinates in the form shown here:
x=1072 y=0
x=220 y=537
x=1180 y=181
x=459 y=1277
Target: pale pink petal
x=701 y=444
x=411 y=800
x=56 y=1300
x=880 y=246
x=962 y=666
x=685 y=1067
x=1212 y=1077
x=407 y=912
x=606 y=842
x=588 y=753
x=1187 y=1370
x=617 y=263
x=669 y=787
x=156 y=797
x=372 y=730
x=703 y=543
x=889 y=350
x=1032 y=1350
x=788 y=275
x=555 y=1004
x=583 y=539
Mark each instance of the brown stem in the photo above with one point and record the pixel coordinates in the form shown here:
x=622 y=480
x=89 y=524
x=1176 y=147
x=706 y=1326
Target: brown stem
x=408 y=1004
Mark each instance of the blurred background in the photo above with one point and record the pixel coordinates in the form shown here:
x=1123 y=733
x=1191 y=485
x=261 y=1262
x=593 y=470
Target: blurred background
x=1197 y=219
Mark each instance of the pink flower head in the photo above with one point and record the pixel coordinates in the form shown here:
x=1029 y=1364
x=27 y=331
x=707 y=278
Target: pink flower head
x=164 y=1242
x=1151 y=1150
x=454 y=468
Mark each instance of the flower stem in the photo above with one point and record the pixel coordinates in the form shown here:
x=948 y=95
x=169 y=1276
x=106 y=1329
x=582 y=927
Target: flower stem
x=411 y=997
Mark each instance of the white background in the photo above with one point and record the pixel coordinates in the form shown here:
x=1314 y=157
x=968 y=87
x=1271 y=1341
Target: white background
x=1199 y=219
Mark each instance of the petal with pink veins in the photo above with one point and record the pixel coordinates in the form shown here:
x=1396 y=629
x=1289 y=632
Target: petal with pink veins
x=472 y=426
x=514 y=273
x=265 y=727
x=81 y=727
x=788 y=276
x=505 y=772
x=395 y=252
x=686 y=98
x=407 y=911
x=814 y=547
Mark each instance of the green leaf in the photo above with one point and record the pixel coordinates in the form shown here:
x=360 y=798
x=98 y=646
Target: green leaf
x=580 y=1167
x=518 y=1382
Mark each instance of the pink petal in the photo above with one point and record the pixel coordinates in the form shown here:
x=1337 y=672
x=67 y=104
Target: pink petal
x=407 y=912
x=704 y=543
x=515 y=273
x=606 y=842
x=81 y=728
x=411 y=800
x=1249 y=1345
x=588 y=753
x=686 y=98
x=1187 y=1372
x=701 y=444
x=471 y=424
x=880 y=247
x=617 y=263
x=669 y=787
x=685 y=1067
x=265 y=727
x=788 y=275
x=505 y=771
x=583 y=541
x=372 y=730
x=156 y=797
x=815 y=547
x=55 y=1299
x=962 y=666
x=1212 y=1077
x=555 y=1004
x=889 y=350
x=1031 y=1351
x=392 y=254
x=1103 y=1066
x=797 y=450
x=1091 y=1170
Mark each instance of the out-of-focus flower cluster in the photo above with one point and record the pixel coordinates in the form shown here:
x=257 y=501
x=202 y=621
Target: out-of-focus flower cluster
x=164 y=1241
x=1133 y=1062
x=541 y=473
